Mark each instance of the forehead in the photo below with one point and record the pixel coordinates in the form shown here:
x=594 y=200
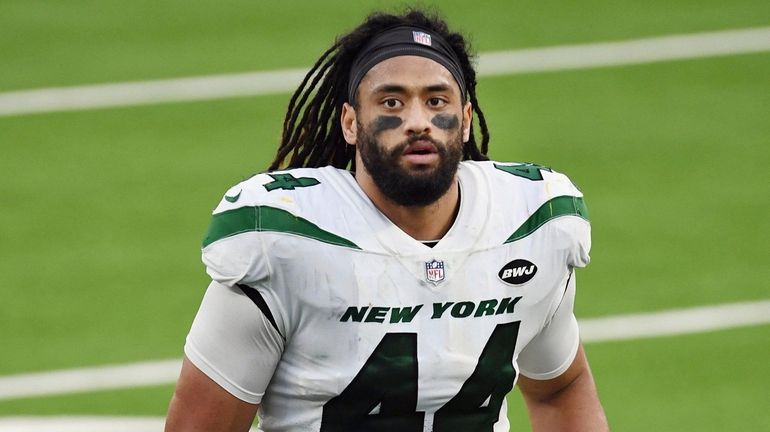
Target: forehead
x=410 y=72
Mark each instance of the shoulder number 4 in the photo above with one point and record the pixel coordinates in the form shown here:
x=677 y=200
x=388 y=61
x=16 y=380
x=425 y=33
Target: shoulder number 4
x=388 y=380
x=287 y=181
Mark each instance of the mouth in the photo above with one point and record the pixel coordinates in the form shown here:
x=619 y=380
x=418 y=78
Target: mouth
x=421 y=152
x=420 y=147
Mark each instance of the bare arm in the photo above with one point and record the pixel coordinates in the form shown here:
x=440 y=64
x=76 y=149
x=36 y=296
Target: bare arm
x=566 y=403
x=200 y=404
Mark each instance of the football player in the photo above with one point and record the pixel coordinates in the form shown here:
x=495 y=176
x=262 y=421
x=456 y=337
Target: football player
x=384 y=275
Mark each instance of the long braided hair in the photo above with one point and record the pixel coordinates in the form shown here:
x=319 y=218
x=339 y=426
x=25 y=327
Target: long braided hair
x=312 y=134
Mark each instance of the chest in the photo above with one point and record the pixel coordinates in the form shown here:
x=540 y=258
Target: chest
x=438 y=310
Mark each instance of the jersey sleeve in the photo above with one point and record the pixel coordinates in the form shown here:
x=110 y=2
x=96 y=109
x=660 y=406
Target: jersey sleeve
x=553 y=349
x=532 y=196
x=232 y=248
x=544 y=199
x=551 y=352
x=577 y=231
x=234 y=343
x=237 y=259
x=562 y=198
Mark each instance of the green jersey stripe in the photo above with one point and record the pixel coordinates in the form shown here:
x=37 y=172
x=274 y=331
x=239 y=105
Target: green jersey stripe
x=265 y=218
x=553 y=208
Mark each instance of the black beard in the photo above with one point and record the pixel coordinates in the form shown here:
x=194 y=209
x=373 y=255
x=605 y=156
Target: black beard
x=409 y=189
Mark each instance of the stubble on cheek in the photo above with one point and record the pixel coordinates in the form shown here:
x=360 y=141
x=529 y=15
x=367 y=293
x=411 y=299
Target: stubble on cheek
x=446 y=121
x=383 y=123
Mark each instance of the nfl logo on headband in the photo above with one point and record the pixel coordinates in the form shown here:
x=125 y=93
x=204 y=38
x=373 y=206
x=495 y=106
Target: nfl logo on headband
x=421 y=38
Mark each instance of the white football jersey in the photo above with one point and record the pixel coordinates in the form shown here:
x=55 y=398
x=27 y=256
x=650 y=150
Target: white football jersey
x=333 y=319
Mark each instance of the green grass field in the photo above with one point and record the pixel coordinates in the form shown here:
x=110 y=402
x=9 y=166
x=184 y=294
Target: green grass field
x=103 y=210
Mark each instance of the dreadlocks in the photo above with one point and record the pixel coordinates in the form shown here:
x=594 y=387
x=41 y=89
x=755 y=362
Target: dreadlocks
x=312 y=134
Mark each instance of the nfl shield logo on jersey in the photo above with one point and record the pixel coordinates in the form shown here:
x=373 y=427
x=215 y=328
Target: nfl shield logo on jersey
x=434 y=271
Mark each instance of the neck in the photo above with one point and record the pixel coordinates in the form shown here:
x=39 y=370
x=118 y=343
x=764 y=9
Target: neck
x=428 y=222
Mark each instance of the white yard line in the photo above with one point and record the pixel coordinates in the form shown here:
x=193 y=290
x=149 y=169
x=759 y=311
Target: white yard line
x=622 y=327
x=82 y=424
x=89 y=379
x=675 y=322
x=628 y=52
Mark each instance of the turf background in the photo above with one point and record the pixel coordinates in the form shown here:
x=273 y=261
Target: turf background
x=102 y=211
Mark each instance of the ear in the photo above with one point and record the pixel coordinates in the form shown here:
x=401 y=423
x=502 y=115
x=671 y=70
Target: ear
x=467 y=119
x=349 y=123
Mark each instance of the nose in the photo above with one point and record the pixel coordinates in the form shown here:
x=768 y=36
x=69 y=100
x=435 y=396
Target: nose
x=417 y=119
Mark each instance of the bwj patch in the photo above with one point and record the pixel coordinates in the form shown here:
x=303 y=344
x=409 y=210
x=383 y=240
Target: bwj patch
x=434 y=271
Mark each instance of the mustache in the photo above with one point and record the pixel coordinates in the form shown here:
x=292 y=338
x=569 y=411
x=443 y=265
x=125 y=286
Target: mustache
x=422 y=137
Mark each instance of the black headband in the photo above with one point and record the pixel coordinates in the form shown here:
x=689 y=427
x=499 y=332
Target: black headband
x=402 y=41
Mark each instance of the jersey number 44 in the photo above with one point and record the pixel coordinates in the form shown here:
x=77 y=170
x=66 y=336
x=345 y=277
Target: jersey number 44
x=383 y=395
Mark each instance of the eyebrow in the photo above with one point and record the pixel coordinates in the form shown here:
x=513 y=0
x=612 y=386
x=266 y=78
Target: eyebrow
x=396 y=88
x=390 y=88
x=438 y=88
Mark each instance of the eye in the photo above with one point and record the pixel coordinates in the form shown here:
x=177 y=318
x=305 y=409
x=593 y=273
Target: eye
x=436 y=102
x=392 y=103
